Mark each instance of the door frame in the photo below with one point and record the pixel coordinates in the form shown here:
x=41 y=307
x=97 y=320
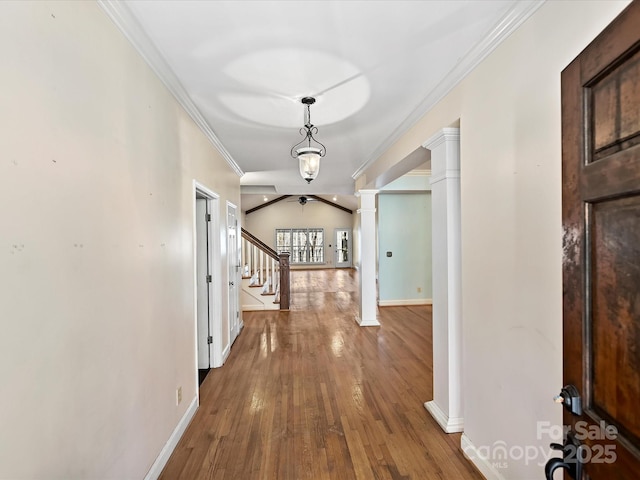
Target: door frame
x=235 y=326
x=215 y=292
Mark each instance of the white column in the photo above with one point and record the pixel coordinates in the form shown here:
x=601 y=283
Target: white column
x=368 y=316
x=446 y=406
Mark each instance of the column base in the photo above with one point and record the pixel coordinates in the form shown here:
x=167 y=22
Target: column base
x=449 y=425
x=367 y=322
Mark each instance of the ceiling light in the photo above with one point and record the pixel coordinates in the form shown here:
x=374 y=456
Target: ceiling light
x=265 y=199
x=335 y=199
x=308 y=156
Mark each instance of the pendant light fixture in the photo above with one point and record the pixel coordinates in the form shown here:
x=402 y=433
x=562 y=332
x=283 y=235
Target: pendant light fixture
x=308 y=155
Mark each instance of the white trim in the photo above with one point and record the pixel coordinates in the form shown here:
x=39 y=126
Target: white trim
x=204 y=190
x=444 y=176
x=257 y=307
x=156 y=469
x=367 y=323
x=225 y=353
x=483 y=464
x=441 y=136
x=418 y=173
x=366 y=191
x=449 y=425
x=407 y=302
x=236 y=278
x=508 y=24
x=126 y=22
x=360 y=210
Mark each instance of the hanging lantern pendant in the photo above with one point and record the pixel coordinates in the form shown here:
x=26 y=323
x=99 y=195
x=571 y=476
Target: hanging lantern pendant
x=308 y=156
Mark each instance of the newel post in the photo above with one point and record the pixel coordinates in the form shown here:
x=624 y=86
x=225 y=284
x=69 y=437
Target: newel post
x=284 y=280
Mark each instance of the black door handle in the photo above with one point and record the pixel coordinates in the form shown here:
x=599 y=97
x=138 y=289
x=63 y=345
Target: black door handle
x=552 y=465
x=570 y=461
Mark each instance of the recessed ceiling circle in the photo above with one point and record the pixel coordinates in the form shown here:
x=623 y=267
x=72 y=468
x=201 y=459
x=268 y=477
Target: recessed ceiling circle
x=267 y=90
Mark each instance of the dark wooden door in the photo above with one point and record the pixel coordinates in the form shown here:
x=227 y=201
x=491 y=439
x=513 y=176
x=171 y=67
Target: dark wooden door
x=601 y=241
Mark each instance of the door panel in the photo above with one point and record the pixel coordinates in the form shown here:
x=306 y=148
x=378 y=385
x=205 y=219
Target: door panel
x=616 y=310
x=601 y=242
x=613 y=96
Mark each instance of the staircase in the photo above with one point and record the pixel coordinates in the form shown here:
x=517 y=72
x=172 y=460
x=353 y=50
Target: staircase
x=265 y=276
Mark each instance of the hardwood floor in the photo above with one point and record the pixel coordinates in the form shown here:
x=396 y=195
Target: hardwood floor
x=311 y=395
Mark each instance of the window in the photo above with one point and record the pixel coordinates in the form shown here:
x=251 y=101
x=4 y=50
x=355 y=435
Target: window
x=305 y=245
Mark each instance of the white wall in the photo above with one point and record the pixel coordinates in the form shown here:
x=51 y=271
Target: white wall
x=290 y=214
x=509 y=110
x=96 y=264
x=404 y=229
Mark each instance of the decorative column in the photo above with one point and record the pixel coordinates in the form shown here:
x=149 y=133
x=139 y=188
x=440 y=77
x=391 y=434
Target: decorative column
x=446 y=406
x=368 y=316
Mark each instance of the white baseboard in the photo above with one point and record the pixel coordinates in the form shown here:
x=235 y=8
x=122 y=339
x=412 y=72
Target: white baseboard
x=405 y=302
x=483 y=464
x=225 y=353
x=267 y=307
x=252 y=308
x=156 y=469
x=448 y=424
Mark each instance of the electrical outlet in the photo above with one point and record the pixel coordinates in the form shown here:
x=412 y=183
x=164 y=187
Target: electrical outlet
x=419 y=289
x=179 y=396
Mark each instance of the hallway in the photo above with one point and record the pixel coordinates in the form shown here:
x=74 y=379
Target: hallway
x=311 y=395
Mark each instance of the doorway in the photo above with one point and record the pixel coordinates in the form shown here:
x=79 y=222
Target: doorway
x=203 y=285
x=207 y=279
x=343 y=242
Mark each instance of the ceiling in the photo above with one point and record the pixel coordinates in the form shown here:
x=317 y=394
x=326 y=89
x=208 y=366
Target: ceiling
x=374 y=68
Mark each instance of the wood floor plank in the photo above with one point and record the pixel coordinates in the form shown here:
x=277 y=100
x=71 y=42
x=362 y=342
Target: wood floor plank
x=309 y=394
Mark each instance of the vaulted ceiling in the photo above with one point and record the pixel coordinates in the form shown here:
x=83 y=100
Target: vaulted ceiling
x=374 y=67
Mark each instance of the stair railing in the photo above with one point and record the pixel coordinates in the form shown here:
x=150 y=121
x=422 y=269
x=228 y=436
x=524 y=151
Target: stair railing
x=266 y=267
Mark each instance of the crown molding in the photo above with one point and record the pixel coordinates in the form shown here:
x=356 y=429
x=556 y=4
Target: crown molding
x=515 y=17
x=126 y=22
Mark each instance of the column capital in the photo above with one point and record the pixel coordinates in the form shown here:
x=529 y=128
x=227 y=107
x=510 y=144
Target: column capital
x=445 y=155
x=366 y=191
x=367 y=200
x=442 y=136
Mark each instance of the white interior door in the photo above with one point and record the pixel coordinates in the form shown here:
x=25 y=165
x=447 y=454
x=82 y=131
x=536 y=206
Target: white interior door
x=233 y=265
x=203 y=282
x=343 y=247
